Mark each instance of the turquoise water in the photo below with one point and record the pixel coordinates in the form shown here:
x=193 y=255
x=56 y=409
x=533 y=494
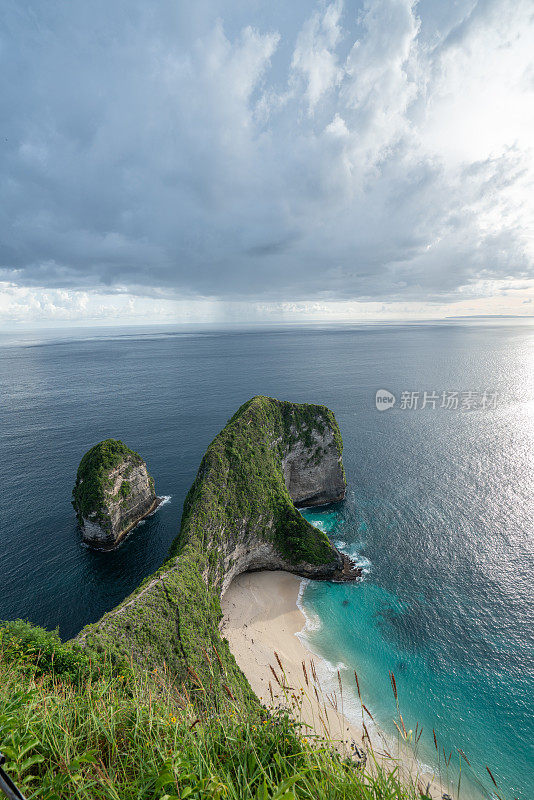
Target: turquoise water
x=439 y=511
x=373 y=629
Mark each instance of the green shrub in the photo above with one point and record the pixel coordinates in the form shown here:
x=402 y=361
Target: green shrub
x=41 y=652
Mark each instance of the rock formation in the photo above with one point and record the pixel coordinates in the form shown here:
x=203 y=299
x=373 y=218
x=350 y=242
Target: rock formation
x=312 y=466
x=239 y=515
x=113 y=492
x=270 y=456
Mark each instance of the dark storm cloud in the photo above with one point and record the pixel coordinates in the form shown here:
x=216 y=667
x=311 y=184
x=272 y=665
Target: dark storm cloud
x=231 y=150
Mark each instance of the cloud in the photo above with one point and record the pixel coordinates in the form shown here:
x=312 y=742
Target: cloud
x=375 y=153
x=315 y=56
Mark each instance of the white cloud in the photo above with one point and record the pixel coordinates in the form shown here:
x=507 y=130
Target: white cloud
x=338 y=127
x=382 y=72
x=315 y=56
x=333 y=155
x=481 y=99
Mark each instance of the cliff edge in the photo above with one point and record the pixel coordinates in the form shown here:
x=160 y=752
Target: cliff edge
x=112 y=493
x=239 y=515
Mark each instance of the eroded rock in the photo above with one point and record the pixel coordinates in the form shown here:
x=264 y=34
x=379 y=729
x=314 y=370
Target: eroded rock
x=113 y=492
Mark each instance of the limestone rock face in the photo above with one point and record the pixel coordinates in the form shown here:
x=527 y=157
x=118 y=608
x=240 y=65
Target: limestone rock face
x=113 y=492
x=313 y=469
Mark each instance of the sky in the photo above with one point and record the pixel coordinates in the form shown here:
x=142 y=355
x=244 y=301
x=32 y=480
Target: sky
x=265 y=161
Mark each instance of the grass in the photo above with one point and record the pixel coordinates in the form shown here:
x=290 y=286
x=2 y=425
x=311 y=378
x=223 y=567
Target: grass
x=74 y=724
x=131 y=734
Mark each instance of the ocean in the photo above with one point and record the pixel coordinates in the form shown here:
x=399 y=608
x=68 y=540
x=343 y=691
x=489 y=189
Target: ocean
x=439 y=507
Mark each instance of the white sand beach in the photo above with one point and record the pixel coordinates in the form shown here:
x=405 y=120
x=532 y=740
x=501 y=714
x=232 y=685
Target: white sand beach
x=261 y=618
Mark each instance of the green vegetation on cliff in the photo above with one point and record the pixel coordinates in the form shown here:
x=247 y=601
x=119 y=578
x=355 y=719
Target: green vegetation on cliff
x=92 y=479
x=238 y=500
x=240 y=479
x=148 y=703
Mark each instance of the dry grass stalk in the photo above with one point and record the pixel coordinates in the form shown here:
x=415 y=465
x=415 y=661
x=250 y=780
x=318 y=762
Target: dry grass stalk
x=394 y=686
x=275 y=675
x=463 y=755
x=492 y=778
x=325 y=728
x=219 y=659
x=228 y=692
x=186 y=693
x=332 y=699
x=357 y=685
x=195 y=677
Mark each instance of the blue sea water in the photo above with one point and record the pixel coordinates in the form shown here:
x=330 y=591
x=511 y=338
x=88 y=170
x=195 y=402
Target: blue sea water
x=439 y=510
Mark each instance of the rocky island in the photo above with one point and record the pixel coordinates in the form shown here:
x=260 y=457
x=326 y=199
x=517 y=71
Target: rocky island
x=240 y=515
x=113 y=492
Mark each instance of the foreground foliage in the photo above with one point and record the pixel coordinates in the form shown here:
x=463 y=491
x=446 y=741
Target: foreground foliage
x=71 y=726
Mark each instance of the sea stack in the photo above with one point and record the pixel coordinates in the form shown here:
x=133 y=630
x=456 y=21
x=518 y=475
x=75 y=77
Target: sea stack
x=113 y=492
x=240 y=515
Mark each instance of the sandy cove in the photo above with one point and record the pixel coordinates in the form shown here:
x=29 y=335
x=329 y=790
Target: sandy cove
x=260 y=616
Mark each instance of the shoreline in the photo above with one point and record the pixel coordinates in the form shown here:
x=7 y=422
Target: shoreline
x=261 y=618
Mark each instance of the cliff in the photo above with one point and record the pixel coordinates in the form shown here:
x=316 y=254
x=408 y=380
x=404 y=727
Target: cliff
x=239 y=515
x=113 y=492
x=311 y=461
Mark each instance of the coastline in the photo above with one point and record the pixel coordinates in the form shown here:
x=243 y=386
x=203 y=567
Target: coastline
x=261 y=617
